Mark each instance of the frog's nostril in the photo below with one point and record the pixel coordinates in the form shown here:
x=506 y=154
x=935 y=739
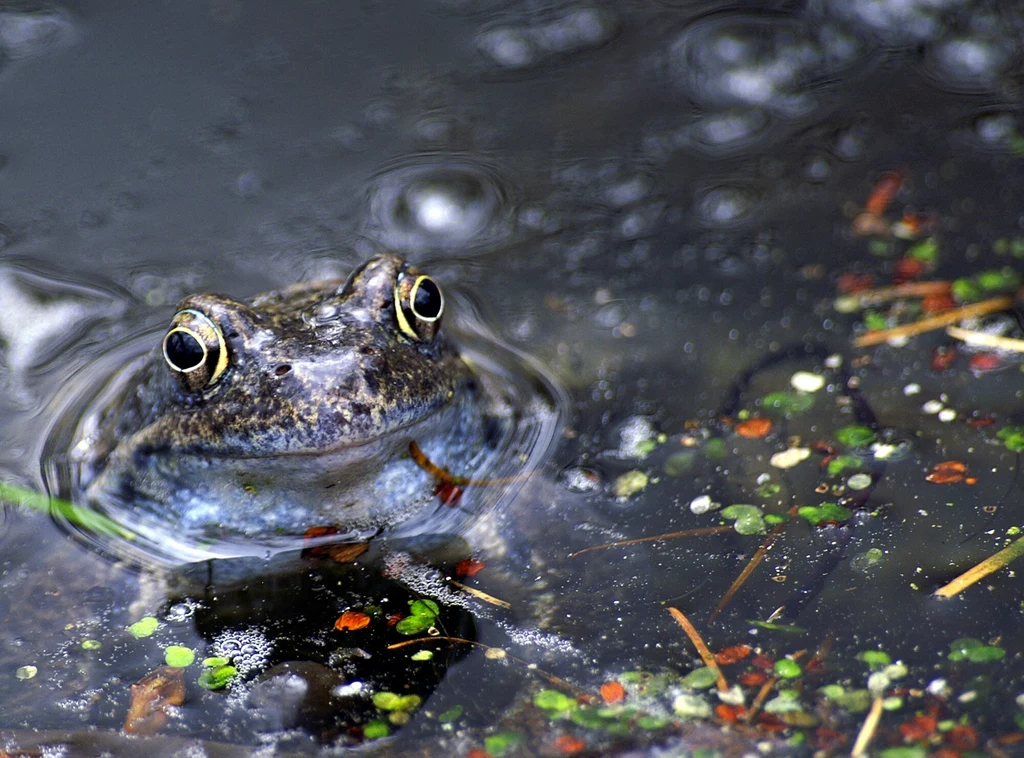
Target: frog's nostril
x=282 y=369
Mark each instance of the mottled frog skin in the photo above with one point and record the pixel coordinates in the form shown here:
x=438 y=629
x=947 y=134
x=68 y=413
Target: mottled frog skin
x=294 y=410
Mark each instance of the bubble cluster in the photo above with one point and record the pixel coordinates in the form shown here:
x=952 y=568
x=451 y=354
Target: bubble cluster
x=893 y=23
x=764 y=62
x=969 y=62
x=248 y=650
x=529 y=45
x=438 y=206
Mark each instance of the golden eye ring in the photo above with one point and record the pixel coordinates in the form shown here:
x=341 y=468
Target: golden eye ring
x=194 y=349
x=419 y=305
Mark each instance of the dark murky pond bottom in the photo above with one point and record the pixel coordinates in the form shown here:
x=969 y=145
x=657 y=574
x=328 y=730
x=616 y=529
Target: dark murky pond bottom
x=660 y=204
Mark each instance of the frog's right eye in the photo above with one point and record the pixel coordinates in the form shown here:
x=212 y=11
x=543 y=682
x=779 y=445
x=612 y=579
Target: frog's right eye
x=194 y=350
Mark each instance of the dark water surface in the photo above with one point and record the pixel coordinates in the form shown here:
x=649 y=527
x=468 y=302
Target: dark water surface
x=649 y=199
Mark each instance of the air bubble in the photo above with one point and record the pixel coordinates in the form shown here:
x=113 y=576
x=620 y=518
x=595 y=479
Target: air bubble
x=529 y=45
x=248 y=650
x=745 y=60
x=968 y=63
x=726 y=206
x=425 y=207
x=893 y=23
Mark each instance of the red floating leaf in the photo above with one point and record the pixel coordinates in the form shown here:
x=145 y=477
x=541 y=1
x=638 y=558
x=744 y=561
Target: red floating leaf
x=351 y=621
x=850 y=282
x=754 y=428
x=919 y=728
x=943 y=358
x=962 y=737
x=753 y=678
x=469 y=567
x=984 y=362
x=947 y=472
x=566 y=744
x=612 y=692
x=732 y=654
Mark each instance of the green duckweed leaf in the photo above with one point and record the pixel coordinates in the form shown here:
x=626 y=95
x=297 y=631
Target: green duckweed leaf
x=699 y=679
x=424 y=607
x=818 y=514
x=855 y=435
x=553 y=700
x=875 y=659
x=500 y=743
x=784 y=403
x=376 y=729
x=842 y=462
x=178 y=656
x=144 y=627
x=414 y=624
x=1012 y=437
x=217 y=678
x=787 y=669
x=450 y=715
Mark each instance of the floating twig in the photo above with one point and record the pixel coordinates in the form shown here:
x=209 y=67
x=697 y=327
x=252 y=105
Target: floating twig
x=867 y=730
x=879 y=295
x=496 y=652
x=749 y=568
x=702 y=649
x=658 y=538
x=878 y=336
x=988 y=566
x=984 y=339
x=481 y=595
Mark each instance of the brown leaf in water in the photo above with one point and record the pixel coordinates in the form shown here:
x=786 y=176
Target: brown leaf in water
x=151 y=696
x=348 y=552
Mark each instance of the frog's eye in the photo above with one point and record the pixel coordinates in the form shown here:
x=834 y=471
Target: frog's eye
x=419 y=305
x=194 y=349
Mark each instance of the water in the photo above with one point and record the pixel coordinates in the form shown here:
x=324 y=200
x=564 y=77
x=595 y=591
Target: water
x=645 y=199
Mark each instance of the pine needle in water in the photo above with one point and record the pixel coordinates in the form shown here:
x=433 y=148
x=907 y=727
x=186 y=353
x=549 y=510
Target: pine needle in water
x=702 y=649
x=878 y=336
x=988 y=566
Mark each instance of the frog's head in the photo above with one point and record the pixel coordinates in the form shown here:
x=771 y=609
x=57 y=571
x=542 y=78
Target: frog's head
x=313 y=368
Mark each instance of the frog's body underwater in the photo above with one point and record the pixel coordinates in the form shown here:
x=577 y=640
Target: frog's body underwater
x=254 y=422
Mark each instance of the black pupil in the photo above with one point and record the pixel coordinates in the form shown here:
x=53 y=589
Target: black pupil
x=184 y=350
x=428 y=300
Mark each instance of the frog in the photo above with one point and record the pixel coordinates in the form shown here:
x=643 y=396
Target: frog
x=254 y=422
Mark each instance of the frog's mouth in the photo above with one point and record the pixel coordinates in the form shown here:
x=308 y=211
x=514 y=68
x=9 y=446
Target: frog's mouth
x=162 y=438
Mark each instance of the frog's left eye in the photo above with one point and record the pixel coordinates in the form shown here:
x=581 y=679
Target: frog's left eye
x=419 y=305
x=194 y=349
